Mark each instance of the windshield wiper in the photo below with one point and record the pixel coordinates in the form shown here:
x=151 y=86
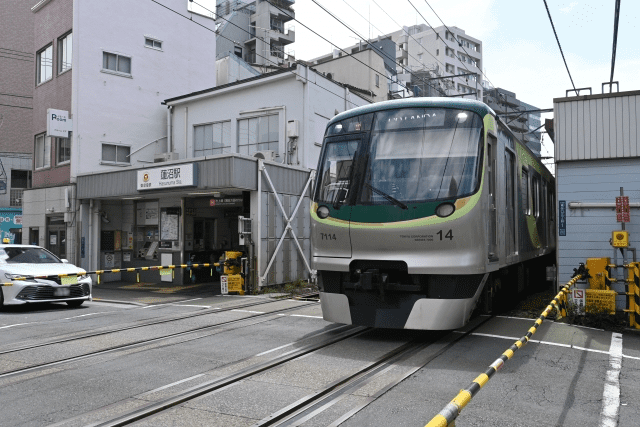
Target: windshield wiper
x=386 y=196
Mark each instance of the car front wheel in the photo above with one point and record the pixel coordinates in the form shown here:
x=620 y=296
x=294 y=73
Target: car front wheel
x=75 y=303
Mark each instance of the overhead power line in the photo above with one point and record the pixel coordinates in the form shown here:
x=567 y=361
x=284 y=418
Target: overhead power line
x=558 y=40
x=615 y=39
x=257 y=54
x=349 y=54
x=16 y=106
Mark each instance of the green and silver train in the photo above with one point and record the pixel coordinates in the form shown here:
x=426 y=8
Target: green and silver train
x=424 y=209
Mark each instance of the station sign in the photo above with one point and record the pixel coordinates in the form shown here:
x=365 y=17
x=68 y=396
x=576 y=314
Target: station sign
x=226 y=201
x=623 y=212
x=167 y=177
x=562 y=218
x=58 y=123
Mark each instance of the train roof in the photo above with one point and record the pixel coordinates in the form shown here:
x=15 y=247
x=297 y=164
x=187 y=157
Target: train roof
x=464 y=104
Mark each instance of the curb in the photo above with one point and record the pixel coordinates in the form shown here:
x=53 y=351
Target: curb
x=111 y=301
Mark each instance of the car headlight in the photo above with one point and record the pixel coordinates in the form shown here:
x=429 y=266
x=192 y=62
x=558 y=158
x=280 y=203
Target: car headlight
x=86 y=276
x=20 y=277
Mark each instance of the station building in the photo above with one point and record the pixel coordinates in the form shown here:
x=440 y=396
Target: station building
x=245 y=149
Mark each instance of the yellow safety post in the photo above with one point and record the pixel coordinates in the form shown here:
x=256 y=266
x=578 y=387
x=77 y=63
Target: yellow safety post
x=446 y=417
x=633 y=293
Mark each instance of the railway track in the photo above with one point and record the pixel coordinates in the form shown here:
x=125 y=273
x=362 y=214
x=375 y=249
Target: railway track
x=306 y=408
x=133 y=325
x=139 y=343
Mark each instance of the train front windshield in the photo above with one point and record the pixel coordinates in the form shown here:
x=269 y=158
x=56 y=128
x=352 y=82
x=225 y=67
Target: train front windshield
x=413 y=155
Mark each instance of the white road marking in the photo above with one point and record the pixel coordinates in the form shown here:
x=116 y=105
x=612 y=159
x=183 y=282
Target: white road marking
x=84 y=315
x=190 y=305
x=18 y=324
x=611 y=392
x=291 y=343
x=565 y=324
x=249 y=311
x=304 y=315
x=170 y=385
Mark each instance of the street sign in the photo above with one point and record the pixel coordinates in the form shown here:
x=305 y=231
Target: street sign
x=623 y=213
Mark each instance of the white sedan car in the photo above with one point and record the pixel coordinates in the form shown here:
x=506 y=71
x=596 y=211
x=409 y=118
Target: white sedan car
x=27 y=261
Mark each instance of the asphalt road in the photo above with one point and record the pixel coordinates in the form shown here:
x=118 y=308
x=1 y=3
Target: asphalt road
x=556 y=380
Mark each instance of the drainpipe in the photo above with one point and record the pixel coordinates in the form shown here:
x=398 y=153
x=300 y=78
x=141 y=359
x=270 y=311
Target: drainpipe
x=169 y=134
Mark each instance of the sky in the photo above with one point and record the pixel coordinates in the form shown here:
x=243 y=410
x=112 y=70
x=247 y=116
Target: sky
x=520 y=52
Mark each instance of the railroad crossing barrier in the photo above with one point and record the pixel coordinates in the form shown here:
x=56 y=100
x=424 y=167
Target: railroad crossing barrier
x=163 y=269
x=448 y=415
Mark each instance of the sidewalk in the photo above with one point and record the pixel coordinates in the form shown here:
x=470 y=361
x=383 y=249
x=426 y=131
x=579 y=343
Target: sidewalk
x=152 y=292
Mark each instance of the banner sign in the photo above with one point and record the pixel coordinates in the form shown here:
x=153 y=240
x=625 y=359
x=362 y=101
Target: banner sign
x=10 y=222
x=562 y=218
x=58 y=123
x=167 y=177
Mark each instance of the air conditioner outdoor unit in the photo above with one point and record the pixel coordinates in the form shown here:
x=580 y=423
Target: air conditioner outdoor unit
x=266 y=155
x=164 y=157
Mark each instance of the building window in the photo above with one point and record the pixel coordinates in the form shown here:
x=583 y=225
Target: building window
x=116 y=154
x=44 y=64
x=211 y=139
x=63 y=150
x=377 y=80
x=64 y=53
x=43 y=151
x=117 y=63
x=420 y=57
x=258 y=134
x=153 y=43
x=437 y=52
x=451 y=69
x=237 y=50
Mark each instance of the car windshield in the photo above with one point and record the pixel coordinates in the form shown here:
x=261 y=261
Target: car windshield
x=18 y=255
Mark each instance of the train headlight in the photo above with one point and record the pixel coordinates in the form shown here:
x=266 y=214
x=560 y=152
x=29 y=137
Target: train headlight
x=445 y=209
x=323 y=212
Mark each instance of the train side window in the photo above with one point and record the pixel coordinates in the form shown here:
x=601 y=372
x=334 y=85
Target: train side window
x=524 y=184
x=535 y=196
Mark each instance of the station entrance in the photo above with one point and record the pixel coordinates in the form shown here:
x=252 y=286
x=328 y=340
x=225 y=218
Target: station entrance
x=210 y=229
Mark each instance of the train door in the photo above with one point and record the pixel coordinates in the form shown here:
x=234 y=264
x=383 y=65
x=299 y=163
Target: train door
x=493 y=208
x=510 y=202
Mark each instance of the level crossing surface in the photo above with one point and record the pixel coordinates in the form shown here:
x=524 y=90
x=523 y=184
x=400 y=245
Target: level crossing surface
x=399 y=378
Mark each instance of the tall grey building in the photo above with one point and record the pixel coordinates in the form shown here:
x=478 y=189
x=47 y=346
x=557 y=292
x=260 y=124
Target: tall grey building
x=427 y=54
x=256 y=31
x=524 y=124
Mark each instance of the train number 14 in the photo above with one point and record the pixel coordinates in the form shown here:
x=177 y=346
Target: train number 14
x=449 y=235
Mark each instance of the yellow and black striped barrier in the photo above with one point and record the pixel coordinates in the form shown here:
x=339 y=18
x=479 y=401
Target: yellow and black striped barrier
x=164 y=270
x=449 y=413
x=633 y=293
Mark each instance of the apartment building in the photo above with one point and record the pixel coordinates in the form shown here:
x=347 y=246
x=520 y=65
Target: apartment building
x=258 y=31
x=16 y=106
x=521 y=117
x=99 y=75
x=368 y=68
x=441 y=52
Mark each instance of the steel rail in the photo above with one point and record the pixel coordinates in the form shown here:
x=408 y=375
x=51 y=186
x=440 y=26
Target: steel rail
x=142 y=325
x=141 y=343
x=303 y=410
x=217 y=384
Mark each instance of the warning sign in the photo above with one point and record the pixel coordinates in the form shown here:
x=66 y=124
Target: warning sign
x=577 y=297
x=623 y=213
x=224 y=289
x=600 y=301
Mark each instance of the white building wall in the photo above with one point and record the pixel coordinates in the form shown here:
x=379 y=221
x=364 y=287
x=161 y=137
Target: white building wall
x=312 y=104
x=125 y=110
